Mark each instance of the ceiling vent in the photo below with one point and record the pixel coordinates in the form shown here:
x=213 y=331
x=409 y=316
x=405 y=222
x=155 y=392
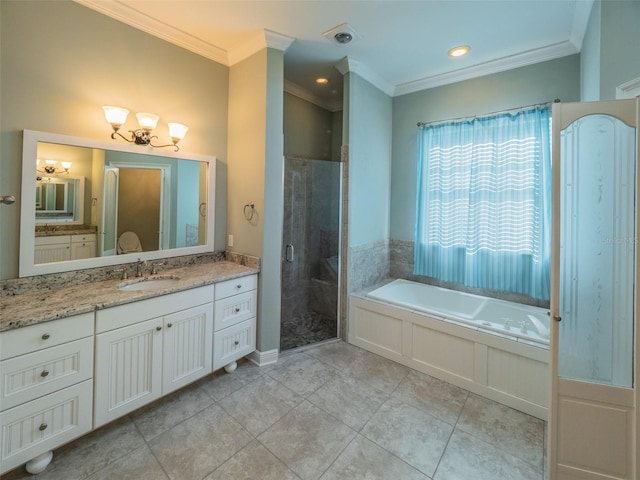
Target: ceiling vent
x=342 y=34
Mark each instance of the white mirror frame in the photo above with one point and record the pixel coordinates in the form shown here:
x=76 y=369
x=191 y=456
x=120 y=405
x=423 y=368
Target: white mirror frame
x=30 y=140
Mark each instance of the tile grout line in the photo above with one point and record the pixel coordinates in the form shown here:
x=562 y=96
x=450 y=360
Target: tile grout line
x=444 y=450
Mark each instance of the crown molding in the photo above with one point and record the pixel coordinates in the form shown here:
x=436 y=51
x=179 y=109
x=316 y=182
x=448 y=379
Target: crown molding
x=581 y=15
x=349 y=64
x=531 y=57
x=141 y=21
x=630 y=89
x=260 y=41
x=298 y=91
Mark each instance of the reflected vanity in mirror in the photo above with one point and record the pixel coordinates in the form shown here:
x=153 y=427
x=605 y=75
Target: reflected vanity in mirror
x=59 y=199
x=111 y=204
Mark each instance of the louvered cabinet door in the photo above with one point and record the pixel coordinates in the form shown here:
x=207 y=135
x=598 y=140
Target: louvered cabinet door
x=188 y=344
x=128 y=369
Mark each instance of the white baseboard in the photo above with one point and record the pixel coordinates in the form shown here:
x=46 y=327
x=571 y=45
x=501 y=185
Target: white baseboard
x=264 y=358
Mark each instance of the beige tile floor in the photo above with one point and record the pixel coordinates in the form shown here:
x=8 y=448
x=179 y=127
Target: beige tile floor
x=331 y=411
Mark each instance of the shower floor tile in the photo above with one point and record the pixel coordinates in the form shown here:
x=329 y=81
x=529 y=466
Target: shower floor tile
x=311 y=327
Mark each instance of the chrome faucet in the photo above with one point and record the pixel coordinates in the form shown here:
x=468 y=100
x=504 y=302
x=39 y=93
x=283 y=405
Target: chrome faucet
x=141 y=263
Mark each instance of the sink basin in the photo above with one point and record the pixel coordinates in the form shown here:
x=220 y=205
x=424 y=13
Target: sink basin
x=150 y=283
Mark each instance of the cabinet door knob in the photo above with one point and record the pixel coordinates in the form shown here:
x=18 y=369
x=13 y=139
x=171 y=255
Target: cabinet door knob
x=43 y=427
x=236 y=343
x=46 y=336
x=238 y=286
x=158 y=328
x=44 y=373
x=169 y=325
x=237 y=309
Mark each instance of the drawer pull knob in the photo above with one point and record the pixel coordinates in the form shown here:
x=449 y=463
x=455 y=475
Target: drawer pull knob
x=158 y=328
x=237 y=309
x=44 y=373
x=169 y=325
x=238 y=286
x=236 y=343
x=43 y=427
x=46 y=336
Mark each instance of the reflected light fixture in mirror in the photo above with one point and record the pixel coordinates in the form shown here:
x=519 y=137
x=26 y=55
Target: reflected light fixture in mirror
x=117 y=116
x=51 y=167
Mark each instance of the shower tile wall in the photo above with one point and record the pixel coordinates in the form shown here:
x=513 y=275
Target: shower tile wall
x=311 y=223
x=368 y=265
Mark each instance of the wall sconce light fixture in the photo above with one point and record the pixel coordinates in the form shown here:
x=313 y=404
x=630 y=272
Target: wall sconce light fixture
x=51 y=167
x=116 y=116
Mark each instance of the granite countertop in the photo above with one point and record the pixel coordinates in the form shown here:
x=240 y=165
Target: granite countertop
x=57 y=233
x=31 y=308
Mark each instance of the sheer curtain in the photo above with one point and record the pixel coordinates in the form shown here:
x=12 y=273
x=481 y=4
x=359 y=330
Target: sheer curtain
x=484 y=202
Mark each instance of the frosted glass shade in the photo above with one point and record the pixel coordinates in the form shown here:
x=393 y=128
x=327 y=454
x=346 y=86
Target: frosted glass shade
x=177 y=131
x=66 y=165
x=116 y=116
x=51 y=162
x=147 y=121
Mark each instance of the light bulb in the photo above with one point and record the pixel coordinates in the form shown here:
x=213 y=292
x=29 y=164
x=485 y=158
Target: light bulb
x=177 y=131
x=147 y=121
x=116 y=116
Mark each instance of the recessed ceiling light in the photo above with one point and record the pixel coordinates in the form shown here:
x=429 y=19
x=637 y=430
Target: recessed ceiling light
x=459 y=51
x=322 y=80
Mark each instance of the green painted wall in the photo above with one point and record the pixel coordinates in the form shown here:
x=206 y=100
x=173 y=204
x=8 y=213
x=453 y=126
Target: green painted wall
x=255 y=172
x=619 y=48
x=590 y=57
x=60 y=62
x=528 y=85
x=307 y=129
x=369 y=138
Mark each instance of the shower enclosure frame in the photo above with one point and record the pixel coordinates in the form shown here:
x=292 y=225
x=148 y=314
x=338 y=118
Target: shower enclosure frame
x=334 y=237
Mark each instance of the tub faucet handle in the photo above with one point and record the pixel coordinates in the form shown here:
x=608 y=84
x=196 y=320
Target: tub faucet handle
x=523 y=327
x=507 y=323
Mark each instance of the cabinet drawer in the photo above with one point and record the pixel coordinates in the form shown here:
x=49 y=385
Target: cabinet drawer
x=233 y=343
x=48 y=334
x=39 y=373
x=52 y=240
x=237 y=285
x=44 y=424
x=232 y=310
x=131 y=313
x=83 y=238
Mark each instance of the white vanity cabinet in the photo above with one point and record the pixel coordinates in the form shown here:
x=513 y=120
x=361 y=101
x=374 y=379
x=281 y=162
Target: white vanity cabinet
x=55 y=248
x=235 y=321
x=46 y=388
x=83 y=246
x=149 y=348
x=60 y=248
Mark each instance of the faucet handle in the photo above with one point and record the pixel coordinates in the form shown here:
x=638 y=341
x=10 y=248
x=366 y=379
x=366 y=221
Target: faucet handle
x=124 y=273
x=154 y=267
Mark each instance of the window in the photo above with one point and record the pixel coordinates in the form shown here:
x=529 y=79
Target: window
x=484 y=202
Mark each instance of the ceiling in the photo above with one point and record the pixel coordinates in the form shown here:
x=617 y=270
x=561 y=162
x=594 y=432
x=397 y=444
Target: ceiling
x=402 y=46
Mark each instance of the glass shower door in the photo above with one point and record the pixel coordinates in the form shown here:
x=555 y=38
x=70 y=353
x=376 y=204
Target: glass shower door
x=310 y=257
x=593 y=300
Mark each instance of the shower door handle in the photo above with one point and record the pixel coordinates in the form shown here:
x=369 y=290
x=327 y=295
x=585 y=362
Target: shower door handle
x=289 y=253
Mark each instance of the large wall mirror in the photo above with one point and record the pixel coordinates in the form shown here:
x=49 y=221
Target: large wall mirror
x=87 y=203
